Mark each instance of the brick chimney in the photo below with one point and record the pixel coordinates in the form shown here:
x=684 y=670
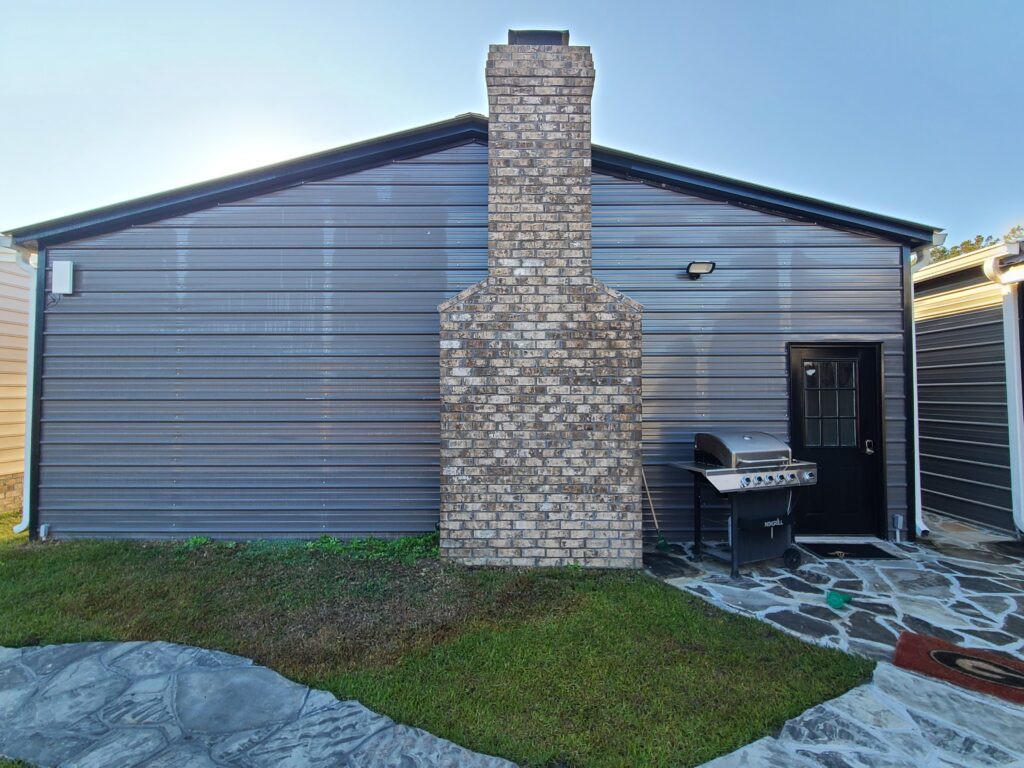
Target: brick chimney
x=540 y=362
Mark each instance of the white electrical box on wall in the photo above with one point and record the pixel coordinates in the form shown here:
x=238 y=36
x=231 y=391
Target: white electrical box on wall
x=62 y=277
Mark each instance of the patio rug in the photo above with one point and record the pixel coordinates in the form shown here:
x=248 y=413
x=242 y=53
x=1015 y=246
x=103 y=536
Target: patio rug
x=847 y=550
x=992 y=673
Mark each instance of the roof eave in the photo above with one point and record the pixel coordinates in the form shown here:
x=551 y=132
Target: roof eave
x=334 y=162
x=684 y=179
x=435 y=137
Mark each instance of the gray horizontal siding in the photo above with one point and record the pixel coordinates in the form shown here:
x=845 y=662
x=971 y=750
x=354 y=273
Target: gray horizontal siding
x=645 y=236
x=949 y=285
x=361 y=320
x=800 y=261
x=965 y=455
x=269 y=367
x=753 y=285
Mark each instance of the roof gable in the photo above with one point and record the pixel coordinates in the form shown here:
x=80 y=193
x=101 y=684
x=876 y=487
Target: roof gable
x=443 y=135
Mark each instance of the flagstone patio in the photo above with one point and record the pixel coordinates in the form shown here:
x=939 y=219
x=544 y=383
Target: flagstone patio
x=963 y=584
x=898 y=720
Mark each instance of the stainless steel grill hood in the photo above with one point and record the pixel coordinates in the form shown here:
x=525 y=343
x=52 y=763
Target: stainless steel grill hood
x=747 y=460
x=739 y=448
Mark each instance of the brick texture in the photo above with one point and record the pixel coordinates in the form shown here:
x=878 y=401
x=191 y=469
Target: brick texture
x=540 y=362
x=10 y=491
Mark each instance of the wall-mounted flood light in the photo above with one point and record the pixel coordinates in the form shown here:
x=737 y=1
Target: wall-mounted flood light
x=697 y=269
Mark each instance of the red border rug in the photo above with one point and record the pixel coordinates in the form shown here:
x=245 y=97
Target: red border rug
x=984 y=671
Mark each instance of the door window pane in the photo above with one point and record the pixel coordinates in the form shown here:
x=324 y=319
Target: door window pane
x=847 y=403
x=812 y=432
x=813 y=404
x=828 y=402
x=846 y=374
x=828 y=375
x=848 y=433
x=830 y=432
x=810 y=375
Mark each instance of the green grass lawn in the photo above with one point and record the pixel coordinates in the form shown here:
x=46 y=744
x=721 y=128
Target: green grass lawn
x=545 y=667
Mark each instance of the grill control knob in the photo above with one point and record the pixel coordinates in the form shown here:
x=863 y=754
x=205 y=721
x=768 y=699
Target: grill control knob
x=780 y=479
x=769 y=480
x=809 y=476
x=758 y=480
x=791 y=477
x=745 y=481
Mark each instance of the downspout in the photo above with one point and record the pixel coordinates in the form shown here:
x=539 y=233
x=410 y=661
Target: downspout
x=919 y=259
x=22 y=257
x=1009 y=279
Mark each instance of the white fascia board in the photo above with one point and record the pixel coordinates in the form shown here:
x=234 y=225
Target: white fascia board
x=967 y=260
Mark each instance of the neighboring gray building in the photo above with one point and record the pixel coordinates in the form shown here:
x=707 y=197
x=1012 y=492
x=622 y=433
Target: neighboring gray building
x=259 y=355
x=968 y=323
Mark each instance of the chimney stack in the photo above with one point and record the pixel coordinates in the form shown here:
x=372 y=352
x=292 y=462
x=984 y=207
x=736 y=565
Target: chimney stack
x=540 y=362
x=539 y=90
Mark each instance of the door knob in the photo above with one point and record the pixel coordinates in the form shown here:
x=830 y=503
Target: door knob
x=869 y=447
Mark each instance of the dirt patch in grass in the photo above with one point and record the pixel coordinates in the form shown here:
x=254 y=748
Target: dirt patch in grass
x=352 y=614
x=545 y=667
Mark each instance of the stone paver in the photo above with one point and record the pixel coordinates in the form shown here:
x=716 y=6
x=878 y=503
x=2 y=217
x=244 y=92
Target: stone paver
x=898 y=720
x=964 y=585
x=160 y=705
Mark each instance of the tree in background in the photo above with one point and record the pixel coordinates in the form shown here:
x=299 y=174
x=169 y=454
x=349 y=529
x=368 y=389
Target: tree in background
x=940 y=252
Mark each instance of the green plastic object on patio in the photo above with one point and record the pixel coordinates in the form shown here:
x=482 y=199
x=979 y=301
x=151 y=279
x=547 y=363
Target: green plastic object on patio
x=837 y=600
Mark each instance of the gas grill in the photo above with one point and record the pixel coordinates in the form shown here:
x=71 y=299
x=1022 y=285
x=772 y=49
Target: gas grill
x=759 y=476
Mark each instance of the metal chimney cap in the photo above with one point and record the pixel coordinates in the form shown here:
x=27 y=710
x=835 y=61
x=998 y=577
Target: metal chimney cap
x=538 y=37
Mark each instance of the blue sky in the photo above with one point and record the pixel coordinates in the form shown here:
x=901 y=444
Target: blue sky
x=904 y=107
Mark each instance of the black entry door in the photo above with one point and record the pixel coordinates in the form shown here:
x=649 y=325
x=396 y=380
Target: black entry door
x=836 y=421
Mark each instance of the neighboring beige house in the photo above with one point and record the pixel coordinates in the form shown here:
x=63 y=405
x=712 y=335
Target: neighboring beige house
x=14 y=307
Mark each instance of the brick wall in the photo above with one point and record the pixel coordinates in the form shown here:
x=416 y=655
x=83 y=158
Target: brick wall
x=10 y=491
x=540 y=363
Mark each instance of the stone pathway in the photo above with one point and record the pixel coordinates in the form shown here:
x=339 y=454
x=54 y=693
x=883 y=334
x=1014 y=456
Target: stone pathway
x=159 y=705
x=964 y=585
x=899 y=720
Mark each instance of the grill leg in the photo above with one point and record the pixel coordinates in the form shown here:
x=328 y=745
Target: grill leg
x=697 y=533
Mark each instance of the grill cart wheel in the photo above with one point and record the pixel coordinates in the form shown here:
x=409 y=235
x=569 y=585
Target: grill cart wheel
x=792 y=558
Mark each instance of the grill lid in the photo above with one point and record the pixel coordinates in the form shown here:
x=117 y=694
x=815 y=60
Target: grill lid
x=739 y=448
